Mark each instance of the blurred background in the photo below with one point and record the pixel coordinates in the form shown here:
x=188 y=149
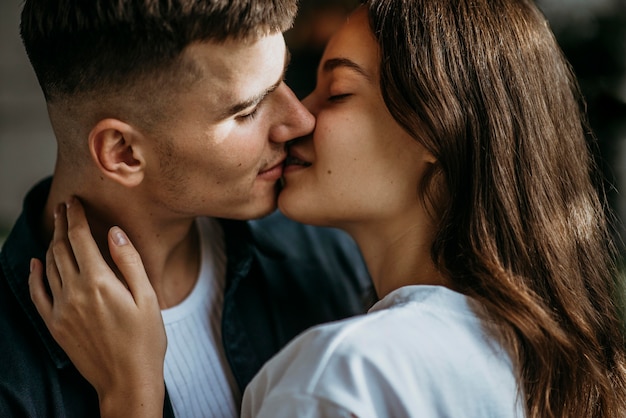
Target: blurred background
x=592 y=34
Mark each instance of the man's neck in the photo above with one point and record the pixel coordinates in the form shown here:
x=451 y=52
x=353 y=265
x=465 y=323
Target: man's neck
x=171 y=256
x=169 y=249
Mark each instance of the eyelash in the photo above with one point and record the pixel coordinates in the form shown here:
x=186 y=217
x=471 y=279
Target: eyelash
x=338 y=97
x=249 y=116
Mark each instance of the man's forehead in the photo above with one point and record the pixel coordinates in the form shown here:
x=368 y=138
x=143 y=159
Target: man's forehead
x=236 y=74
x=239 y=104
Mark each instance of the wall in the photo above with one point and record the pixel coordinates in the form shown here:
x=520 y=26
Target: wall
x=27 y=146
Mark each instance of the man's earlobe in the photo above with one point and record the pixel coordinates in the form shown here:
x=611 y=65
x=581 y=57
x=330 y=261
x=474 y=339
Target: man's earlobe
x=116 y=149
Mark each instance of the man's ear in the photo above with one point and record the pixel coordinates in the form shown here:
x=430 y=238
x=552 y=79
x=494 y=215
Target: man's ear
x=116 y=148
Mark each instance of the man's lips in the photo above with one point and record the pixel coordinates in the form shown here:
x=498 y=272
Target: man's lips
x=273 y=166
x=274 y=172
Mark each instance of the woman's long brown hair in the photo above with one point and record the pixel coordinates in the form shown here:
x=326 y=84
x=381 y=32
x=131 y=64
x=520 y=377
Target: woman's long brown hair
x=483 y=85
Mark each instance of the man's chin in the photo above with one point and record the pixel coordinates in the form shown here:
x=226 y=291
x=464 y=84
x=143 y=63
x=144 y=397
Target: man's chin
x=259 y=204
x=263 y=214
x=259 y=209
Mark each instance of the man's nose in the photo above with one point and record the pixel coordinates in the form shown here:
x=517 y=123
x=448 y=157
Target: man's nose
x=296 y=120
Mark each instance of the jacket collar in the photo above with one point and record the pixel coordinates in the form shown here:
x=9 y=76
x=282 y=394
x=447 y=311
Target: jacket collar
x=21 y=245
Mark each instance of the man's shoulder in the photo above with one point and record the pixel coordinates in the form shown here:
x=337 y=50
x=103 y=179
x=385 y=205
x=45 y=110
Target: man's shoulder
x=317 y=256
x=279 y=234
x=313 y=262
x=30 y=382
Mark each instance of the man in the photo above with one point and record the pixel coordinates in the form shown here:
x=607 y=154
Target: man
x=166 y=111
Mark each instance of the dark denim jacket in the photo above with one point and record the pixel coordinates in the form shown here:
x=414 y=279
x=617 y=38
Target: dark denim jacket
x=282 y=277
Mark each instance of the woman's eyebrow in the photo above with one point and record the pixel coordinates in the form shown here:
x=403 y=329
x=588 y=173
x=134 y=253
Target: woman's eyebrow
x=333 y=63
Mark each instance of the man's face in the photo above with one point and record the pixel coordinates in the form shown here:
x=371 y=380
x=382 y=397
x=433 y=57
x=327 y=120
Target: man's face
x=222 y=151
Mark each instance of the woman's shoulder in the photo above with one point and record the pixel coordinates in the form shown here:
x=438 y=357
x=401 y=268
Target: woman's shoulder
x=415 y=322
x=417 y=342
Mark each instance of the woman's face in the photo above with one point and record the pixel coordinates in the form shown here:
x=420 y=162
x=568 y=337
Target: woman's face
x=359 y=166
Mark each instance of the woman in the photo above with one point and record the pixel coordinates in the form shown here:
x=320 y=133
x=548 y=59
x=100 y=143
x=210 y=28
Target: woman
x=450 y=144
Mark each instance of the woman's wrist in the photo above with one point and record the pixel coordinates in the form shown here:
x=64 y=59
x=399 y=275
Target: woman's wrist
x=144 y=400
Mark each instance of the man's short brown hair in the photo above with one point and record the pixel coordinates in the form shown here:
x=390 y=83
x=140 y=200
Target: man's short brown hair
x=84 y=47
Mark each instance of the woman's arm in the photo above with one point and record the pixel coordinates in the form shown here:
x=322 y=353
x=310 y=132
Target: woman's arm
x=112 y=332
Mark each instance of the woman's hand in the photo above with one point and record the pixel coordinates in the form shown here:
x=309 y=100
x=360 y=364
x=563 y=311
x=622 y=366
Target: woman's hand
x=112 y=332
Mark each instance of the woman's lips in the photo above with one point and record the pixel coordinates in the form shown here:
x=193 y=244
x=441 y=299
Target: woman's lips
x=293 y=163
x=293 y=160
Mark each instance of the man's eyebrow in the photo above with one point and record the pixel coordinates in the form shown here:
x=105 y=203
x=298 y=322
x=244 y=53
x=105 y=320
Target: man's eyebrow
x=258 y=98
x=333 y=63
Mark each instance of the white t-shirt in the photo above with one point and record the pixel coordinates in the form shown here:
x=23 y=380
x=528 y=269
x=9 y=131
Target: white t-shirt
x=420 y=352
x=197 y=375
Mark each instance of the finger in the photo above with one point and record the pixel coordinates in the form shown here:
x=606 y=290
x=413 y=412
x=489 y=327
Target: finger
x=129 y=263
x=38 y=294
x=61 y=256
x=52 y=274
x=85 y=249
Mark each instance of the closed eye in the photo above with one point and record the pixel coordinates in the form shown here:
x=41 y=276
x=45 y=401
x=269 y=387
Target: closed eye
x=339 y=97
x=248 y=116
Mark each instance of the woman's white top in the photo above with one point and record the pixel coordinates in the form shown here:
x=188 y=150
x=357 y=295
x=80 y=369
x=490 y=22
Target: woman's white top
x=420 y=352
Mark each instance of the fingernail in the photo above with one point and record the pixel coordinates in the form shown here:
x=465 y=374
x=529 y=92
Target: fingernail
x=32 y=264
x=119 y=237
